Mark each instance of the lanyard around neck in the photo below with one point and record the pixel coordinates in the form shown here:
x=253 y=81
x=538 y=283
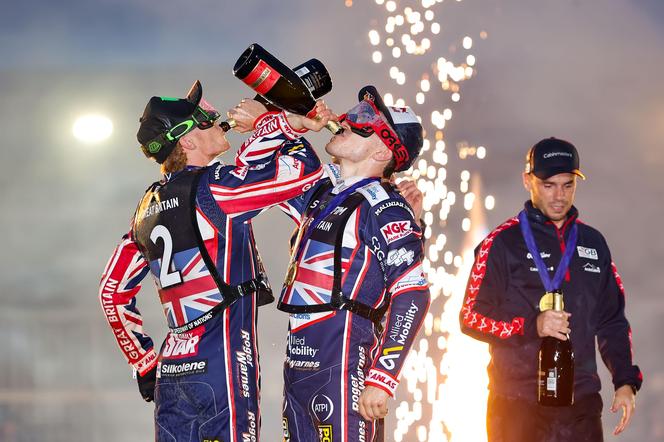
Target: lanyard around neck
x=549 y=284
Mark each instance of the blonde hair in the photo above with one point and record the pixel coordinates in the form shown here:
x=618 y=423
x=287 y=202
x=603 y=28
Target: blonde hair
x=175 y=161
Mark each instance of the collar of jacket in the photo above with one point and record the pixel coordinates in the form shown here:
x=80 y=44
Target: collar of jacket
x=172 y=175
x=536 y=216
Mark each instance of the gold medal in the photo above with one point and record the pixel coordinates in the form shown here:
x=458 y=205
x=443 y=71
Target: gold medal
x=546 y=302
x=291 y=273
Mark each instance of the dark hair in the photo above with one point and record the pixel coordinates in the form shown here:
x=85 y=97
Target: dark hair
x=389 y=169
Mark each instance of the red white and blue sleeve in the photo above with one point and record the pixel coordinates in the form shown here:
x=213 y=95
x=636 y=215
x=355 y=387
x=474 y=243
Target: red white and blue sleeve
x=274 y=165
x=396 y=241
x=614 y=334
x=295 y=207
x=119 y=285
x=485 y=315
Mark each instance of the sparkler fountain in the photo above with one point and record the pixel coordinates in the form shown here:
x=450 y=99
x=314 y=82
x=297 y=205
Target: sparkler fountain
x=443 y=392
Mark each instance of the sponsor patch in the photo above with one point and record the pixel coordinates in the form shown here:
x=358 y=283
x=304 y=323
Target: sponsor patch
x=296 y=149
x=284 y=426
x=252 y=434
x=245 y=361
x=402 y=115
x=357 y=379
x=393 y=203
x=396 y=230
x=297 y=345
x=322 y=407
x=383 y=379
x=217 y=172
x=325 y=433
x=542 y=254
x=591 y=268
x=240 y=172
x=412 y=279
x=403 y=325
x=588 y=253
x=300 y=355
x=374 y=193
x=400 y=256
x=389 y=355
x=333 y=172
x=182 y=345
x=303 y=320
x=182 y=368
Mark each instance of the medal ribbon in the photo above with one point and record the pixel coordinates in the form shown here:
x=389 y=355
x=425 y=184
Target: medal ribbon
x=549 y=284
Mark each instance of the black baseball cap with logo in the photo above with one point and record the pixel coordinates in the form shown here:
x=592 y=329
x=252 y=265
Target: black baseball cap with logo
x=162 y=114
x=552 y=156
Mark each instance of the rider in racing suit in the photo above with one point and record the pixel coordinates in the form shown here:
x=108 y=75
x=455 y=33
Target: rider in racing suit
x=355 y=288
x=198 y=220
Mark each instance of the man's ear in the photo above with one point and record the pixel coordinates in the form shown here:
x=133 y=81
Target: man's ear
x=187 y=143
x=382 y=155
x=527 y=181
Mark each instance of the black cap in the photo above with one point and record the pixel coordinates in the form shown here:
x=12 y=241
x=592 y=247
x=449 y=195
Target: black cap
x=404 y=122
x=552 y=156
x=160 y=115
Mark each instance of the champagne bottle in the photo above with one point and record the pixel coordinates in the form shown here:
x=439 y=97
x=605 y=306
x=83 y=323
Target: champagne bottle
x=280 y=85
x=313 y=74
x=556 y=367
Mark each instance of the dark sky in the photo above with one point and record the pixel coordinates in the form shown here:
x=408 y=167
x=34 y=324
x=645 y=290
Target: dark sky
x=586 y=70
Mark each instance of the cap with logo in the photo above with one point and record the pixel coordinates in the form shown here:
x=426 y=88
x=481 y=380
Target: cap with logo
x=552 y=156
x=162 y=114
x=404 y=122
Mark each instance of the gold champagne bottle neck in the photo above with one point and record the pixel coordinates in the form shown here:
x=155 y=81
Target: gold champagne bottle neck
x=558 y=301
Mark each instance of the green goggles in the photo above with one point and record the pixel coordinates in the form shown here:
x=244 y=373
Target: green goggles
x=201 y=119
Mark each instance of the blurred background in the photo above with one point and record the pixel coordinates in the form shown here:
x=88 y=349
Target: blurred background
x=493 y=78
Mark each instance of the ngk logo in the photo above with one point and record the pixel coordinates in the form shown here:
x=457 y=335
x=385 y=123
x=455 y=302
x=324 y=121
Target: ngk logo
x=396 y=230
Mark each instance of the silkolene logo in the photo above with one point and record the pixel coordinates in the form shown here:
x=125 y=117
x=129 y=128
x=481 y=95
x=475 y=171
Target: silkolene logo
x=396 y=230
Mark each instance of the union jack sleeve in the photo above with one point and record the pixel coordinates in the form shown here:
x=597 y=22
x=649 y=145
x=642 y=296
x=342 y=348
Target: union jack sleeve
x=273 y=166
x=481 y=316
x=397 y=242
x=295 y=207
x=614 y=334
x=258 y=150
x=119 y=284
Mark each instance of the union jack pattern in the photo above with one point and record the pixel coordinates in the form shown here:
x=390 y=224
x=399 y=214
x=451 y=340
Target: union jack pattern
x=473 y=319
x=187 y=302
x=272 y=166
x=366 y=277
x=315 y=273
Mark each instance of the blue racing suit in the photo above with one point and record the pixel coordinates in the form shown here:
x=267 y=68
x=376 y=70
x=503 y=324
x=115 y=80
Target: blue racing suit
x=356 y=302
x=192 y=231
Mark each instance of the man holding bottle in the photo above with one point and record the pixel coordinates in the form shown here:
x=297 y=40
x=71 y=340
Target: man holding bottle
x=520 y=269
x=192 y=231
x=355 y=288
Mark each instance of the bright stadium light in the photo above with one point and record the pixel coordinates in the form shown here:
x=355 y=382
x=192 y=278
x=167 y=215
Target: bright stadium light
x=92 y=128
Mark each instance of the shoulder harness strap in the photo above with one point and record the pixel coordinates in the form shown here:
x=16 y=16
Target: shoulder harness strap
x=338 y=299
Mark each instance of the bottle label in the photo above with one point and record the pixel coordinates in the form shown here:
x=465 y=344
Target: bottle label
x=262 y=77
x=551 y=380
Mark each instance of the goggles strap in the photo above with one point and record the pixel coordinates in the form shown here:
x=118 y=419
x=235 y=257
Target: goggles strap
x=391 y=140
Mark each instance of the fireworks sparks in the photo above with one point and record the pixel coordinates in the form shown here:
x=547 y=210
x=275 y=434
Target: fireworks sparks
x=443 y=393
